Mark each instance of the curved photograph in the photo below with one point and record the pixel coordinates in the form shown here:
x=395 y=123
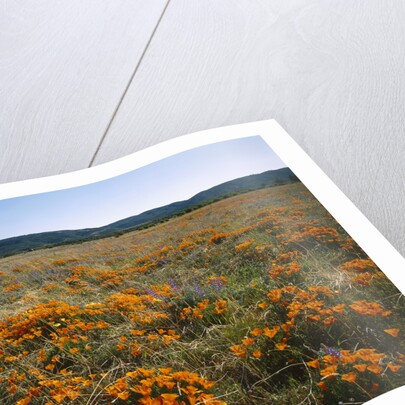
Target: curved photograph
x=210 y=276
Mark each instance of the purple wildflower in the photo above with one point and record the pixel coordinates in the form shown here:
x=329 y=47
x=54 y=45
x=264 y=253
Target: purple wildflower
x=331 y=351
x=218 y=284
x=154 y=294
x=199 y=290
x=173 y=285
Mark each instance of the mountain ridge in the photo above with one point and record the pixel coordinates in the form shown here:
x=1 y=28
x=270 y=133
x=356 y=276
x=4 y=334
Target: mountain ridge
x=24 y=243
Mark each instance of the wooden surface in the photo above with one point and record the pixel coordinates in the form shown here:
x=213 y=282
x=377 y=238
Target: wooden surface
x=63 y=68
x=83 y=83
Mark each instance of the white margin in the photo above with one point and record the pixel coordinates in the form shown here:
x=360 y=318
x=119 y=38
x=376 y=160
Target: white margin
x=329 y=195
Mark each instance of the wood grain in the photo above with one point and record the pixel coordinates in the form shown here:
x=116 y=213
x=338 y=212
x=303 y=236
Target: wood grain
x=330 y=72
x=63 y=68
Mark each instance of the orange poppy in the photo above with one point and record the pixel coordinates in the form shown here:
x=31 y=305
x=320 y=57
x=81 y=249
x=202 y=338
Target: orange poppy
x=393 y=332
x=350 y=377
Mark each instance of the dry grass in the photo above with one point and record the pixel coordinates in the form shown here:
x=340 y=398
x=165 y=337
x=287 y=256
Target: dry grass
x=259 y=298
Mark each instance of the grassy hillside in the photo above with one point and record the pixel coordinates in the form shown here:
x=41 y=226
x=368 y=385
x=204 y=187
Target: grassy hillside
x=24 y=243
x=260 y=298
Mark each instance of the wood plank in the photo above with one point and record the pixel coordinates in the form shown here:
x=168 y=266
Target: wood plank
x=63 y=68
x=330 y=72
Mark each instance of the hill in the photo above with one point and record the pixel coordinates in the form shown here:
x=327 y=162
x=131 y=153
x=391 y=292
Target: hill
x=24 y=243
x=259 y=298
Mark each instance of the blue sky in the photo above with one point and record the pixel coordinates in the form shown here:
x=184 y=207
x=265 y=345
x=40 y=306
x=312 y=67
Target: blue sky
x=175 y=178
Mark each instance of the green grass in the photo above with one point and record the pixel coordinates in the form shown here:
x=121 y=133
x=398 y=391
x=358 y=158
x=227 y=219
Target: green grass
x=189 y=294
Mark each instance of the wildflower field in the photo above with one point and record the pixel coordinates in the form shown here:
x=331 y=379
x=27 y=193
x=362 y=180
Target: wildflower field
x=260 y=298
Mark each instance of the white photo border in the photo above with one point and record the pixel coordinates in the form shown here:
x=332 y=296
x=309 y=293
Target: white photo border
x=375 y=245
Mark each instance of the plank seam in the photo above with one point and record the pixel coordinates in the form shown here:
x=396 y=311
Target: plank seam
x=128 y=84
